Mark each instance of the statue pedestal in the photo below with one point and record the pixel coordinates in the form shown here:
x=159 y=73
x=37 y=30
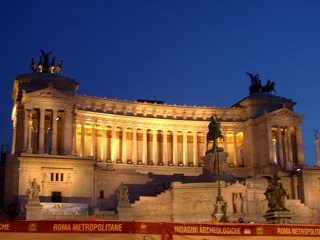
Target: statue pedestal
x=124 y=211
x=277 y=217
x=34 y=210
x=220 y=211
x=208 y=165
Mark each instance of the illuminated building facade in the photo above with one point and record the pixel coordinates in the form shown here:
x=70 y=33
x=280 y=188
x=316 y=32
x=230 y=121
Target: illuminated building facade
x=81 y=148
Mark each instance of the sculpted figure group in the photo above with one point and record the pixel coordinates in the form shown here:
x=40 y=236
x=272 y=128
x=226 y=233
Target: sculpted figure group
x=123 y=193
x=45 y=66
x=34 y=190
x=275 y=195
x=256 y=86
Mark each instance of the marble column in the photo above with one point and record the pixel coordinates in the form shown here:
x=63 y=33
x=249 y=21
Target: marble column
x=154 y=146
x=29 y=149
x=174 y=148
x=195 y=149
x=83 y=135
x=41 y=131
x=165 y=147
x=235 y=150
x=280 y=147
x=26 y=130
x=185 y=148
x=290 y=157
x=270 y=143
x=274 y=160
x=114 y=143
x=74 y=137
x=124 y=144
x=103 y=153
x=14 y=138
x=144 y=146
x=134 y=146
x=93 y=140
x=54 y=131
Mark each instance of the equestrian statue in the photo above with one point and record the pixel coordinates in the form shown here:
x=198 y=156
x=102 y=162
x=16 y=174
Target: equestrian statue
x=213 y=134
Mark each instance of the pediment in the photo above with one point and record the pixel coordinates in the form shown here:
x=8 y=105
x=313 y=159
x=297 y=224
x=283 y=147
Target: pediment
x=48 y=92
x=284 y=112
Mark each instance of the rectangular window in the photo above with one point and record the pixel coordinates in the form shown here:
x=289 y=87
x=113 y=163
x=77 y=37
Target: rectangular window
x=101 y=194
x=52 y=177
x=61 y=177
x=57 y=176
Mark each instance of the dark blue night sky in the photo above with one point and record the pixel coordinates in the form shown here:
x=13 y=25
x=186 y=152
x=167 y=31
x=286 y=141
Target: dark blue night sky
x=181 y=52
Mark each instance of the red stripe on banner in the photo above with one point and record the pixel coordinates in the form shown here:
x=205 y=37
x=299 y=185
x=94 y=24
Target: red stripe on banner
x=167 y=230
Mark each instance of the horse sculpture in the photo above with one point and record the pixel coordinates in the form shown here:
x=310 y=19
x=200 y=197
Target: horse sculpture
x=213 y=134
x=268 y=88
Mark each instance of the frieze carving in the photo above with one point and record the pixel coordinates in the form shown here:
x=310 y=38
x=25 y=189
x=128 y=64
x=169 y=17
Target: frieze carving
x=49 y=95
x=124 y=109
x=145 y=112
x=285 y=113
x=184 y=114
x=161 y=111
x=155 y=113
x=134 y=111
x=165 y=113
x=114 y=108
x=194 y=114
x=174 y=114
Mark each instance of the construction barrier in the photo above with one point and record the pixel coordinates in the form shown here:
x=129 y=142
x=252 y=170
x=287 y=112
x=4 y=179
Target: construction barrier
x=144 y=230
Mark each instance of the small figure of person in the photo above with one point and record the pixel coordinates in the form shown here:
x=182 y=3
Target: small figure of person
x=316 y=133
x=237 y=203
x=35 y=189
x=123 y=193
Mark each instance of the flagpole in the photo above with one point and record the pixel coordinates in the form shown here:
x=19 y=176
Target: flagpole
x=220 y=205
x=219 y=197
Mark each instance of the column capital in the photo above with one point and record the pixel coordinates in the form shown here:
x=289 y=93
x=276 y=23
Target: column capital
x=174 y=132
x=134 y=129
x=144 y=130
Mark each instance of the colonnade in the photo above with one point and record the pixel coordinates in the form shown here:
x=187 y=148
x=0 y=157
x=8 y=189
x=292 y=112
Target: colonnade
x=47 y=131
x=56 y=131
x=149 y=145
x=287 y=146
x=138 y=145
